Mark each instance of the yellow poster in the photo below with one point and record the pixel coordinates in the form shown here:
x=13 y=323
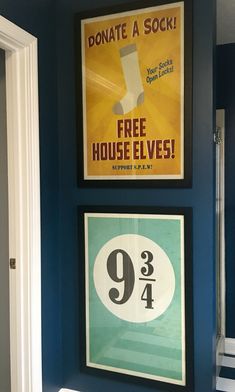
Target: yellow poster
x=133 y=94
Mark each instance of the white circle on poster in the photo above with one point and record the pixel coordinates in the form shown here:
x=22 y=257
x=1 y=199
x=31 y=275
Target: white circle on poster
x=134 y=278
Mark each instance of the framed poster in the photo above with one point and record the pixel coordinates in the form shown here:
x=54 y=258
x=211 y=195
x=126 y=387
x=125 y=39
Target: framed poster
x=137 y=280
x=134 y=89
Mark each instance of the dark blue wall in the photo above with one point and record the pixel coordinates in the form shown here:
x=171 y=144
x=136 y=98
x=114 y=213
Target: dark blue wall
x=226 y=100
x=61 y=196
x=200 y=197
x=38 y=18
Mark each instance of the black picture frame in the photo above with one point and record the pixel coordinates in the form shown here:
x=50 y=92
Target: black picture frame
x=187 y=297
x=132 y=180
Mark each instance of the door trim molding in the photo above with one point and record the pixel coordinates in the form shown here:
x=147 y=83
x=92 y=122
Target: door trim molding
x=220 y=251
x=220 y=122
x=24 y=206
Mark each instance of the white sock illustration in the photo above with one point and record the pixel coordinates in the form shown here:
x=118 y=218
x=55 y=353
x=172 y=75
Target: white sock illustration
x=134 y=88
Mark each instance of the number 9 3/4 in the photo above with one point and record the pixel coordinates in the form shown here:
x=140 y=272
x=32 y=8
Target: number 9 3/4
x=134 y=278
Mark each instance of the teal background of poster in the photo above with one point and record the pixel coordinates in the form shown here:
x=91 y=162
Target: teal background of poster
x=154 y=348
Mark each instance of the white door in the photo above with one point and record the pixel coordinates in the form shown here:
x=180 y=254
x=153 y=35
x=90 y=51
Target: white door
x=23 y=213
x=5 y=384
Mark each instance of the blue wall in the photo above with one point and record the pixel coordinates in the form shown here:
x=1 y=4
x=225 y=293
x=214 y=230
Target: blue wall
x=200 y=197
x=38 y=18
x=226 y=100
x=61 y=196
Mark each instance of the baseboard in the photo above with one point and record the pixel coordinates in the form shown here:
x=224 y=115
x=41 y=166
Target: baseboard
x=230 y=346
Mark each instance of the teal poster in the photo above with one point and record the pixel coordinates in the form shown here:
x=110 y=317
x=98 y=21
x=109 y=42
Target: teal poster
x=135 y=293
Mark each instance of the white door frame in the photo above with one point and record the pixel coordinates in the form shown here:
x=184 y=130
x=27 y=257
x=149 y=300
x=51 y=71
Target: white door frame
x=24 y=206
x=220 y=217
x=220 y=122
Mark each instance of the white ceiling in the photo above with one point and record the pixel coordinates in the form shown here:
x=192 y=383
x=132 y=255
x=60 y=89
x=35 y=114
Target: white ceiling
x=225 y=21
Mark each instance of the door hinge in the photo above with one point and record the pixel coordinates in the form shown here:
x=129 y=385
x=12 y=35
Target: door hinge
x=12 y=263
x=218 y=136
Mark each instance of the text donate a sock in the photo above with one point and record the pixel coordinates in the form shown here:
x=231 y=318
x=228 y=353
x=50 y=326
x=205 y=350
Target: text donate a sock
x=134 y=88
